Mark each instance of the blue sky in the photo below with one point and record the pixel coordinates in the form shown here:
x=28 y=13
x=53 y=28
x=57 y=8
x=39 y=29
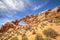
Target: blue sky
x=14 y=9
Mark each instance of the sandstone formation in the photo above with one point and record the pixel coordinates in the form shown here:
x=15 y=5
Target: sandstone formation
x=48 y=14
x=6 y=27
x=33 y=18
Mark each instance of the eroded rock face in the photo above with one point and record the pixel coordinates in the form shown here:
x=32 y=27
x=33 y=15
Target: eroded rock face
x=33 y=18
x=49 y=14
x=30 y=18
x=6 y=27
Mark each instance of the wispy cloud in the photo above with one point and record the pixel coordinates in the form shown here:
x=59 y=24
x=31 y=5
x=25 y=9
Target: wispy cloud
x=12 y=4
x=40 y=6
x=9 y=7
x=37 y=7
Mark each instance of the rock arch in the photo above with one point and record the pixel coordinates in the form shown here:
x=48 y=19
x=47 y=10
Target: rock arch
x=28 y=19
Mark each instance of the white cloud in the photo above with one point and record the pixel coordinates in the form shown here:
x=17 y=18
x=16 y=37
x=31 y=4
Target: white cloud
x=2 y=6
x=9 y=7
x=40 y=6
x=37 y=7
x=12 y=4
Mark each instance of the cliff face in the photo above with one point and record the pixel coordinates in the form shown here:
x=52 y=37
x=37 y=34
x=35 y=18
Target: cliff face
x=48 y=14
x=33 y=18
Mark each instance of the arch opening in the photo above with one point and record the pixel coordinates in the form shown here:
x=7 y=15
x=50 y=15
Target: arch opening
x=22 y=23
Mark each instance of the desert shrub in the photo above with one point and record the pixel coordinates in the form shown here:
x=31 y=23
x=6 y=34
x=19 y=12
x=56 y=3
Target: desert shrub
x=27 y=28
x=56 y=21
x=9 y=37
x=6 y=39
x=18 y=33
x=47 y=38
x=43 y=25
x=1 y=35
x=24 y=37
x=50 y=33
x=39 y=37
x=58 y=17
x=5 y=35
x=15 y=38
x=50 y=20
x=12 y=34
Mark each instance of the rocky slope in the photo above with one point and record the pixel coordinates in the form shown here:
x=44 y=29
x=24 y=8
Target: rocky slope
x=42 y=26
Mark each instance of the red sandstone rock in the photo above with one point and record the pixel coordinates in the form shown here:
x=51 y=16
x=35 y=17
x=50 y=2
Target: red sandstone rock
x=6 y=27
x=33 y=18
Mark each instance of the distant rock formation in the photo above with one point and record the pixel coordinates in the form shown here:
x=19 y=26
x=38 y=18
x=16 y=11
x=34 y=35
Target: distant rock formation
x=32 y=18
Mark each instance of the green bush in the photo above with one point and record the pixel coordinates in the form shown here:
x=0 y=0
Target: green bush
x=42 y=25
x=24 y=37
x=50 y=33
x=39 y=37
x=58 y=17
x=15 y=38
x=47 y=38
